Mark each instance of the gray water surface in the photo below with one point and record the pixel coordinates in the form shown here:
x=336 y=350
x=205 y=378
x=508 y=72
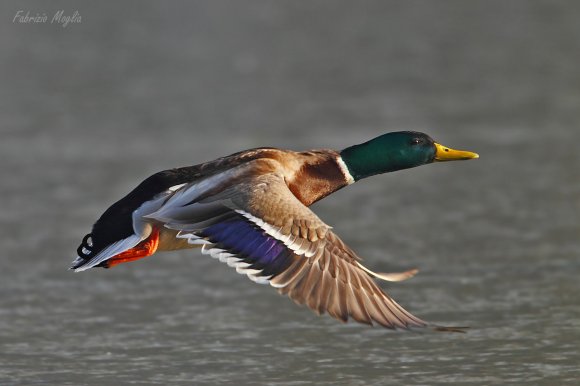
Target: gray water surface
x=88 y=111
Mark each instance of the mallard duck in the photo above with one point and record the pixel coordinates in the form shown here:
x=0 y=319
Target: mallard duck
x=250 y=210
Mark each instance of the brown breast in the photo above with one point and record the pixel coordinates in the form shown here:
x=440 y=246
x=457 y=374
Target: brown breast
x=318 y=176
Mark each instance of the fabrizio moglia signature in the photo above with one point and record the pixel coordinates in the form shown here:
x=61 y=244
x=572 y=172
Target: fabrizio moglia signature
x=59 y=17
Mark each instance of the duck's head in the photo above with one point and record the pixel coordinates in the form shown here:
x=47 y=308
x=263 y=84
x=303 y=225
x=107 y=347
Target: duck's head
x=396 y=151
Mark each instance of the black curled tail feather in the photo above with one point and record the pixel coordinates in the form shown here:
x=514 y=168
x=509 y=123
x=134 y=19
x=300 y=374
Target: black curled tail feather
x=85 y=251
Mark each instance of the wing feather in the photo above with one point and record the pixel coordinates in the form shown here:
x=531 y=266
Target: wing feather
x=269 y=235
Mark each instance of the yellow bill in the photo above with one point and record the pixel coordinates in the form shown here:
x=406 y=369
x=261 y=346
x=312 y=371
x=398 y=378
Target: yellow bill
x=446 y=154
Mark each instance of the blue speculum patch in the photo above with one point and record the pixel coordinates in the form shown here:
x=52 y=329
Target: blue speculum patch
x=251 y=244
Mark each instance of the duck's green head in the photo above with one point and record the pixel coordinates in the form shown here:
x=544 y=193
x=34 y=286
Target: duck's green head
x=396 y=151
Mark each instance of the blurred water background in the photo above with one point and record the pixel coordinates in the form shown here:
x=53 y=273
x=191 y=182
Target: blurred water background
x=89 y=110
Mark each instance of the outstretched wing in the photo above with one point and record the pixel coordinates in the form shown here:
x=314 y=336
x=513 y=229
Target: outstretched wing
x=259 y=227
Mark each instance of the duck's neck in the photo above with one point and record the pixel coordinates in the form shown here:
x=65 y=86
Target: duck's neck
x=366 y=160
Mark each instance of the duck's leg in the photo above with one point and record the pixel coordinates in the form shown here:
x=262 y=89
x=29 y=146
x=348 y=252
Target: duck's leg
x=145 y=248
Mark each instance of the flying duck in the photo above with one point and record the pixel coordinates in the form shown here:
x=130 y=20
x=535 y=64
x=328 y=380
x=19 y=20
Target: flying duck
x=250 y=210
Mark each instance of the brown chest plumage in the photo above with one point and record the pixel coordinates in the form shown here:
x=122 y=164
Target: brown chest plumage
x=317 y=178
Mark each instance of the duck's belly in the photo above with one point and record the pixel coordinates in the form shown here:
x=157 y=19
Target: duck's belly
x=169 y=242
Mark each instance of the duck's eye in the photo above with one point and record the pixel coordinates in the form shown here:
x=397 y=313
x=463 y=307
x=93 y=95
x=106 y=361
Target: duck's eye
x=416 y=141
